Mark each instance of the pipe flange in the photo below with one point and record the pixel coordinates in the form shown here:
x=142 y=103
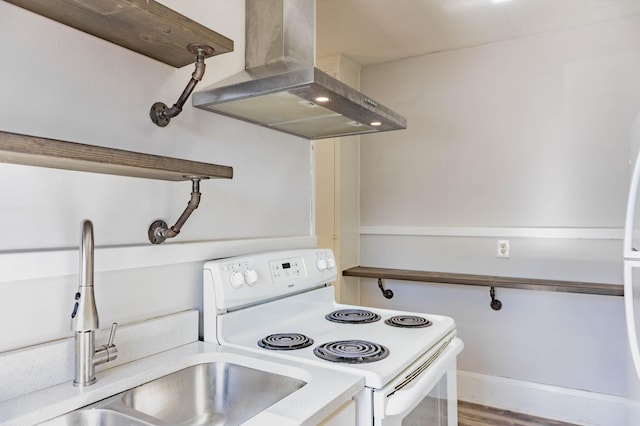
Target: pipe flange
x=158 y=114
x=201 y=49
x=194 y=177
x=156 y=231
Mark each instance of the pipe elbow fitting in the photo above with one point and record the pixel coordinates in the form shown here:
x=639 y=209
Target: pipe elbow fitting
x=199 y=71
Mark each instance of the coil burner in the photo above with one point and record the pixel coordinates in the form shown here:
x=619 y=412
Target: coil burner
x=408 y=321
x=351 y=351
x=352 y=316
x=285 y=341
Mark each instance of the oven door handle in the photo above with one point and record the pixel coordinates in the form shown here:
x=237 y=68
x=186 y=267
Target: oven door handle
x=403 y=400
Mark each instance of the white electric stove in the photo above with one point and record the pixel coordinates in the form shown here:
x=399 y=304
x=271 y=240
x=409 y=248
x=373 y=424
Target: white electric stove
x=282 y=303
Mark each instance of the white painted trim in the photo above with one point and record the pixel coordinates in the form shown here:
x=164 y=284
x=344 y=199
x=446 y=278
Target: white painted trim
x=313 y=192
x=497 y=232
x=551 y=402
x=24 y=265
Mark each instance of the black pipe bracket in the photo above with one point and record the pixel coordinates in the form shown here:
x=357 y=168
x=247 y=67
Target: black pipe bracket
x=159 y=231
x=160 y=113
x=495 y=304
x=388 y=294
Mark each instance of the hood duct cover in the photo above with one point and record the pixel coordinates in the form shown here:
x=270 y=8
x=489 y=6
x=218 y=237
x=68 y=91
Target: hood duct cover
x=283 y=90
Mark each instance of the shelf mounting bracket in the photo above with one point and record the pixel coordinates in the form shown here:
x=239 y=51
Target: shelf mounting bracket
x=160 y=113
x=388 y=294
x=159 y=231
x=495 y=304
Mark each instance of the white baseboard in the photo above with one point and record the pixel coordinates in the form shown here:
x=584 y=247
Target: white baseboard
x=551 y=402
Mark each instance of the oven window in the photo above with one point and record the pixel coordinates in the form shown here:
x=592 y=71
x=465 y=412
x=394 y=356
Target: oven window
x=432 y=410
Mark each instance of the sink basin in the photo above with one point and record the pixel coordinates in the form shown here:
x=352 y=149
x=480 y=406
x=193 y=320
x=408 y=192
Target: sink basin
x=214 y=393
x=97 y=416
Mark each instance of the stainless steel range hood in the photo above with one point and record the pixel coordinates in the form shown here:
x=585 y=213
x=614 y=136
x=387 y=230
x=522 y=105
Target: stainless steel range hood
x=283 y=90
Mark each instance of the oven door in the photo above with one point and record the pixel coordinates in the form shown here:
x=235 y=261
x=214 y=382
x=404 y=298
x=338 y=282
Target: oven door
x=429 y=398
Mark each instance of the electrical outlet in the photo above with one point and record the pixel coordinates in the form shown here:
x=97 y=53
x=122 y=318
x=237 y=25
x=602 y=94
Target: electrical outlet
x=503 y=248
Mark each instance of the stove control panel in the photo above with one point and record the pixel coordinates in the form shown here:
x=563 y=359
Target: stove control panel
x=244 y=280
x=286 y=269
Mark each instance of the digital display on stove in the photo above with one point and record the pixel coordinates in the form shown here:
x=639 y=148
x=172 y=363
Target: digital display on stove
x=286 y=269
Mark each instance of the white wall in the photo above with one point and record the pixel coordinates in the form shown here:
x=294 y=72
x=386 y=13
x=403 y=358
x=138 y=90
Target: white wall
x=532 y=132
x=510 y=140
x=60 y=83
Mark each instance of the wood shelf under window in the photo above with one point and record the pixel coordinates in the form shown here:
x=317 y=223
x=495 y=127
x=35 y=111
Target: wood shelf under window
x=42 y=152
x=485 y=280
x=143 y=26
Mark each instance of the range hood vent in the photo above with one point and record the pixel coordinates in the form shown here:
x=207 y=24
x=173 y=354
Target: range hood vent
x=283 y=90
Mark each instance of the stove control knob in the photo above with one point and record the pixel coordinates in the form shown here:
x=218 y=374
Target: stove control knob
x=322 y=264
x=331 y=263
x=251 y=276
x=237 y=279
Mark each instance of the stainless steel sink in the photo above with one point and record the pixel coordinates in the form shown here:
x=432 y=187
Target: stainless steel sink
x=97 y=416
x=217 y=393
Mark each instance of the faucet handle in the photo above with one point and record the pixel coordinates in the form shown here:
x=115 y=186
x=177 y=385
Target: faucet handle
x=112 y=335
x=108 y=352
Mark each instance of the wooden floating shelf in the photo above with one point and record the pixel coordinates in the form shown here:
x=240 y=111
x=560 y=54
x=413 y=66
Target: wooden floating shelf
x=143 y=26
x=485 y=281
x=42 y=152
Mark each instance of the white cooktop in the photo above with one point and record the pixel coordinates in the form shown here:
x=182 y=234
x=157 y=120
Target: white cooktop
x=248 y=298
x=304 y=313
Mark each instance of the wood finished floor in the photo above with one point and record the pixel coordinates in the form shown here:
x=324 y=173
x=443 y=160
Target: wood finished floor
x=479 y=415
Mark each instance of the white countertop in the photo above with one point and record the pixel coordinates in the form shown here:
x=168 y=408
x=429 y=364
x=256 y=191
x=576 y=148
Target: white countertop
x=324 y=392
